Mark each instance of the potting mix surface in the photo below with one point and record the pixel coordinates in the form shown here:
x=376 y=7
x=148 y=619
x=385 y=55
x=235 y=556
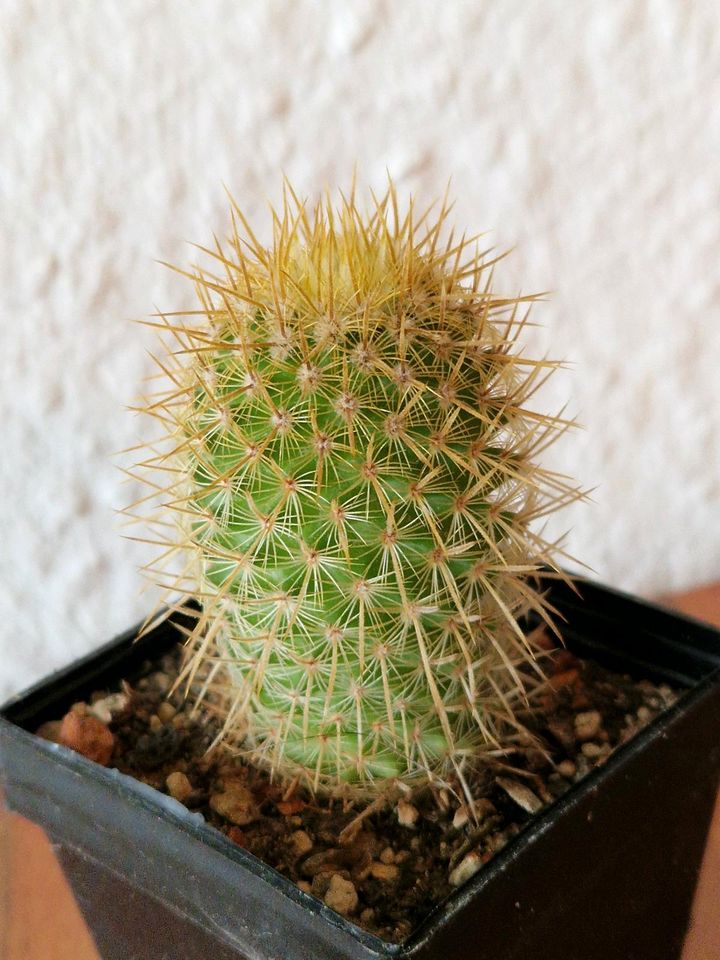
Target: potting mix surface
x=383 y=868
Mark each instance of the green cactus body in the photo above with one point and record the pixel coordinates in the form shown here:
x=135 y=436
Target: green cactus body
x=353 y=489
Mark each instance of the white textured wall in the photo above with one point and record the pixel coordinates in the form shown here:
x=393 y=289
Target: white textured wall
x=588 y=133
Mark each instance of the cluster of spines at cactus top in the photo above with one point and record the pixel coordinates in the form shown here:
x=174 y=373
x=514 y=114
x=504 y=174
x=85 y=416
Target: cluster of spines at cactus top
x=347 y=482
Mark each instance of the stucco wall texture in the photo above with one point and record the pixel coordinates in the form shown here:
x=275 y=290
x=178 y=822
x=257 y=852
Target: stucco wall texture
x=585 y=134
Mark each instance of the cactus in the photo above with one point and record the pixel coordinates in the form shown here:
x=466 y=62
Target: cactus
x=353 y=494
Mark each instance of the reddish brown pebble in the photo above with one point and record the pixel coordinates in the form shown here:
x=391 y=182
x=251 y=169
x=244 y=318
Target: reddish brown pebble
x=565 y=679
x=564 y=660
x=237 y=836
x=289 y=807
x=86 y=735
x=546 y=642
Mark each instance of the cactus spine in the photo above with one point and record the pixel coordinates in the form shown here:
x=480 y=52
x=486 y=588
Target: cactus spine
x=352 y=490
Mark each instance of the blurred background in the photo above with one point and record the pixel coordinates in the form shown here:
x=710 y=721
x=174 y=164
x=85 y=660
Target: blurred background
x=585 y=135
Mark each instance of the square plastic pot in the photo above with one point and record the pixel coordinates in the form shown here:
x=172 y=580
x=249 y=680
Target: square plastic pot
x=607 y=872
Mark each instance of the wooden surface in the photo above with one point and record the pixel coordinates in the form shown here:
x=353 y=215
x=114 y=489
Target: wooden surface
x=40 y=921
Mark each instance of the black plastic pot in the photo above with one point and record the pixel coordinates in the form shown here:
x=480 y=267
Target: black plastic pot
x=606 y=873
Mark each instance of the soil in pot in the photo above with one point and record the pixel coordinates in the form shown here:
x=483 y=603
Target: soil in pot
x=384 y=867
